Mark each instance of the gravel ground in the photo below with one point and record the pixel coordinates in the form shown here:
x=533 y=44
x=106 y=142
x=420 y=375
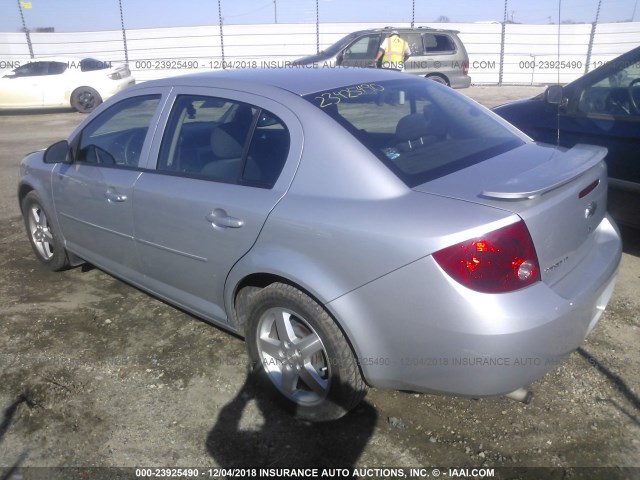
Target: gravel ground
x=94 y=373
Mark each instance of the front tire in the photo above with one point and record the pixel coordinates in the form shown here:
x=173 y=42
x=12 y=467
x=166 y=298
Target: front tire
x=85 y=99
x=44 y=238
x=299 y=352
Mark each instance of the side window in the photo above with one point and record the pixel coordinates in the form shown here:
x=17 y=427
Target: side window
x=415 y=43
x=268 y=151
x=617 y=94
x=224 y=140
x=91 y=64
x=438 y=43
x=116 y=136
x=364 y=47
x=206 y=137
x=32 y=69
x=57 y=68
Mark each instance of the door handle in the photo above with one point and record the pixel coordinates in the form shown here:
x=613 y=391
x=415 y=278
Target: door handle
x=114 y=196
x=219 y=218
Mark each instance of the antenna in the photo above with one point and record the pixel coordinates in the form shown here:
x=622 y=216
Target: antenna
x=559 y=104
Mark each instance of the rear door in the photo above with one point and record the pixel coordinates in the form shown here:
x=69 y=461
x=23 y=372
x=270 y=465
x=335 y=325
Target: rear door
x=223 y=162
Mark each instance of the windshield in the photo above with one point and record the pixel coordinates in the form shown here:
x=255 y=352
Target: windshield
x=419 y=129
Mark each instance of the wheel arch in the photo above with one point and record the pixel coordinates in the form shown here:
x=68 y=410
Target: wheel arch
x=442 y=76
x=23 y=190
x=249 y=285
x=255 y=282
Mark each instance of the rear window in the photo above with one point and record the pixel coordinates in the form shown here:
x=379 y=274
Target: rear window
x=420 y=130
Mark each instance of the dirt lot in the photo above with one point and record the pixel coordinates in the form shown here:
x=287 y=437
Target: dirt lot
x=96 y=373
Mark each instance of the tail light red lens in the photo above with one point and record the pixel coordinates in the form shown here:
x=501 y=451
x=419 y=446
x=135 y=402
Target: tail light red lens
x=465 y=68
x=122 y=72
x=500 y=261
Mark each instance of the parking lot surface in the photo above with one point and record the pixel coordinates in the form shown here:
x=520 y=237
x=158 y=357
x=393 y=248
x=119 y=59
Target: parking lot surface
x=96 y=373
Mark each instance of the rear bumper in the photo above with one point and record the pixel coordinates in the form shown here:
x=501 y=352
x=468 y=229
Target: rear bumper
x=109 y=88
x=417 y=329
x=460 y=81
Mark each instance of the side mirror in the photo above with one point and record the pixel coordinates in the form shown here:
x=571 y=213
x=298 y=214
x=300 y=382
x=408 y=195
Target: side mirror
x=59 y=152
x=553 y=95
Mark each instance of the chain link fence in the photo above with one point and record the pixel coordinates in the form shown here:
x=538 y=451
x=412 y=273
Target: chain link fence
x=500 y=52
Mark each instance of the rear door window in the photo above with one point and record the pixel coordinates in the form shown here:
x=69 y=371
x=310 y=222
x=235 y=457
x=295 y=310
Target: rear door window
x=224 y=140
x=415 y=43
x=57 y=68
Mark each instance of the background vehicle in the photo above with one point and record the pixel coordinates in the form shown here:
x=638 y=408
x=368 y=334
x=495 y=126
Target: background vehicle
x=436 y=54
x=600 y=108
x=59 y=82
x=416 y=242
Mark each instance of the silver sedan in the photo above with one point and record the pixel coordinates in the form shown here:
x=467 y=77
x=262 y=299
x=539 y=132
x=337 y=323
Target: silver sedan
x=358 y=227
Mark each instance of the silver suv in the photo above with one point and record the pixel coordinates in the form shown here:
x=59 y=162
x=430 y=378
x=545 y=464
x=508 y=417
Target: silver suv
x=436 y=54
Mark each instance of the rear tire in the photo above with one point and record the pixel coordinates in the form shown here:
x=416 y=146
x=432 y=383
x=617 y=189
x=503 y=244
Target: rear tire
x=85 y=99
x=298 y=352
x=44 y=238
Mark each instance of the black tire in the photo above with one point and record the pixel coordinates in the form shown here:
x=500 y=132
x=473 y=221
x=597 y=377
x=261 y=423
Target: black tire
x=85 y=99
x=311 y=365
x=439 y=79
x=44 y=238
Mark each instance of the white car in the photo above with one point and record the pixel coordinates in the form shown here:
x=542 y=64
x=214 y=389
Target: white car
x=59 y=82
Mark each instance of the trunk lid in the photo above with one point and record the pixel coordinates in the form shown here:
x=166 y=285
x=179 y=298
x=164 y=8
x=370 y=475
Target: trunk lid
x=560 y=194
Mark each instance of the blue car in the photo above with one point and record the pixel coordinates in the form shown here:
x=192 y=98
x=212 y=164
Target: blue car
x=600 y=108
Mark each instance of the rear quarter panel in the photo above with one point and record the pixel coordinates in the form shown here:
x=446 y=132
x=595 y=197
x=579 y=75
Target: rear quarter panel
x=347 y=220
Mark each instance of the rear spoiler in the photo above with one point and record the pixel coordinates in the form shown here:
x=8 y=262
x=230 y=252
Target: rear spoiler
x=561 y=168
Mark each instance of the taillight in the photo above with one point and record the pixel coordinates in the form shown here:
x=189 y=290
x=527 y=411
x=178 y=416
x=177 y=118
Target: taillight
x=500 y=261
x=465 y=68
x=588 y=189
x=122 y=72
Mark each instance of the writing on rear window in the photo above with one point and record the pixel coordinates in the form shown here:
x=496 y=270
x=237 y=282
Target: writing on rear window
x=345 y=94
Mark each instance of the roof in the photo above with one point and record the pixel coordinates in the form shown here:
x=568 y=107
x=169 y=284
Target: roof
x=300 y=80
x=407 y=30
x=66 y=59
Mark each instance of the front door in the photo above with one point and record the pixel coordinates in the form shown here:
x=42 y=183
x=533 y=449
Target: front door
x=361 y=52
x=24 y=87
x=93 y=195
